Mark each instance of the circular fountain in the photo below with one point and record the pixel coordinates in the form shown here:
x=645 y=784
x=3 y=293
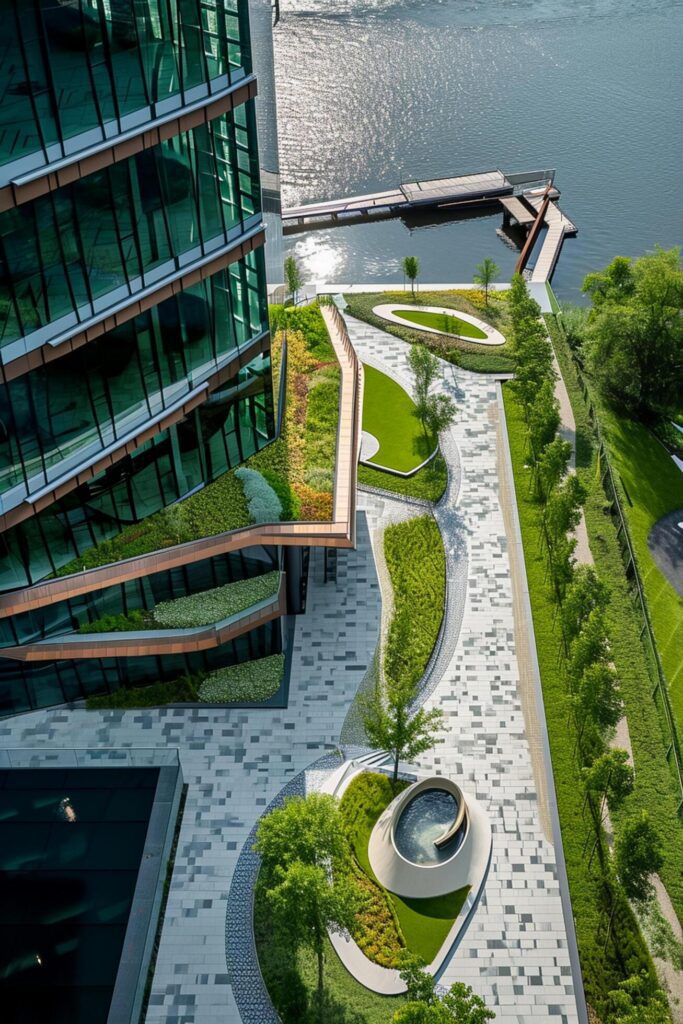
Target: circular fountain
x=422 y=844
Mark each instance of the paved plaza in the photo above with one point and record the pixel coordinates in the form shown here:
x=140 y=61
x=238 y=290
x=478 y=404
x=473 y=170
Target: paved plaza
x=236 y=762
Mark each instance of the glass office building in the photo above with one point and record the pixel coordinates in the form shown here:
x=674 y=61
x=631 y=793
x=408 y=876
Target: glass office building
x=134 y=346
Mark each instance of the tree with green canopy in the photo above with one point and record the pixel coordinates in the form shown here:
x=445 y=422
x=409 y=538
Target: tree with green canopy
x=308 y=901
x=634 y=337
x=390 y=723
x=485 y=274
x=293 y=277
x=411 y=269
x=306 y=829
x=638 y=854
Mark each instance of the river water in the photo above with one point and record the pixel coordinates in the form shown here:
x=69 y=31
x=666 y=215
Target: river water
x=375 y=92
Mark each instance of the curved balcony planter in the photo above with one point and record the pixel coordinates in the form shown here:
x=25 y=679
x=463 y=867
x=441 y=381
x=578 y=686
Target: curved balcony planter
x=153 y=641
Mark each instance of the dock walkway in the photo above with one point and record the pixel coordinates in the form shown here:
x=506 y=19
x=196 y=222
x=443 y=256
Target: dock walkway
x=559 y=227
x=463 y=191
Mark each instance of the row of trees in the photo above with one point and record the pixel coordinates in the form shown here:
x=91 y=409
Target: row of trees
x=485 y=273
x=582 y=598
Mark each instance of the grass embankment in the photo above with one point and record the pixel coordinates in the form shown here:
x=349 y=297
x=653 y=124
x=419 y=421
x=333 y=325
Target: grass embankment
x=390 y=415
x=655 y=788
x=290 y=975
x=467 y=354
x=428 y=484
x=299 y=465
x=442 y=322
x=250 y=681
x=651 y=485
x=602 y=968
x=421 y=924
x=416 y=561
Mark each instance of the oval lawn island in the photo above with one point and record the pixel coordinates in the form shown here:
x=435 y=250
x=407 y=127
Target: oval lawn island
x=441 y=320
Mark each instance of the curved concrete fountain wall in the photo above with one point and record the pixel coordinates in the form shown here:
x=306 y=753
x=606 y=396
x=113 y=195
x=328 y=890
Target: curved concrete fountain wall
x=405 y=878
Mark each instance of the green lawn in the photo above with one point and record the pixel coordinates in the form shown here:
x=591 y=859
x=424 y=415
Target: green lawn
x=468 y=354
x=389 y=414
x=440 y=322
x=602 y=968
x=651 y=486
x=424 y=923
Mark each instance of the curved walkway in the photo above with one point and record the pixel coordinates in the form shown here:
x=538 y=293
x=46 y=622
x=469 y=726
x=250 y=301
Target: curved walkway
x=515 y=951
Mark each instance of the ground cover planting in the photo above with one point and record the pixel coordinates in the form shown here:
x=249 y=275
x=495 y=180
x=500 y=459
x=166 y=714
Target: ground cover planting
x=441 y=322
x=249 y=681
x=416 y=561
x=194 y=610
x=466 y=354
x=390 y=415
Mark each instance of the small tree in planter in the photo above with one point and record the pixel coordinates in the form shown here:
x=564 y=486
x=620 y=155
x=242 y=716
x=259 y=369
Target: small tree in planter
x=293 y=277
x=486 y=273
x=389 y=724
x=411 y=269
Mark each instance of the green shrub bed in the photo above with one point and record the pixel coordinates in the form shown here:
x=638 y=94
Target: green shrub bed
x=290 y=975
x=178 y=691
x=251 y=680
x=217 y=508
x=468 y=355
x=417 y=566
x=194 y=610
x=298 y=466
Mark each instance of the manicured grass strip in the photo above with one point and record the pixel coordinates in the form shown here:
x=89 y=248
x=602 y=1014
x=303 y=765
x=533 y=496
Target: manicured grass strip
x=655 y=788
x=389 y=413
x=651 y=485
x=423 y=923
x=417 y=566
x=440 y=322
x=429 y=483
x=602 y=968
x=468 y=354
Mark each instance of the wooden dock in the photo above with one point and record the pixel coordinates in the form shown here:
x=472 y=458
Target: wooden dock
x=559 y=227
x=446 y=194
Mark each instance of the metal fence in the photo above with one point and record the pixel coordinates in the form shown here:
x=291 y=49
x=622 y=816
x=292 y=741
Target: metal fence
x=660 y=688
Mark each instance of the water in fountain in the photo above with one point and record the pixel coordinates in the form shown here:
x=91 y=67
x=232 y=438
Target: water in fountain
x=428 y=816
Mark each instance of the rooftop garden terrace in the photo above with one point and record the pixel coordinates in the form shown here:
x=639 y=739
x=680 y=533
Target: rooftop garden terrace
x=298 y=466
x=465 y=353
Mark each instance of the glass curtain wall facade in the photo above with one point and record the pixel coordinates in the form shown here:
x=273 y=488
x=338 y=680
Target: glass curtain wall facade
x=165 y=245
